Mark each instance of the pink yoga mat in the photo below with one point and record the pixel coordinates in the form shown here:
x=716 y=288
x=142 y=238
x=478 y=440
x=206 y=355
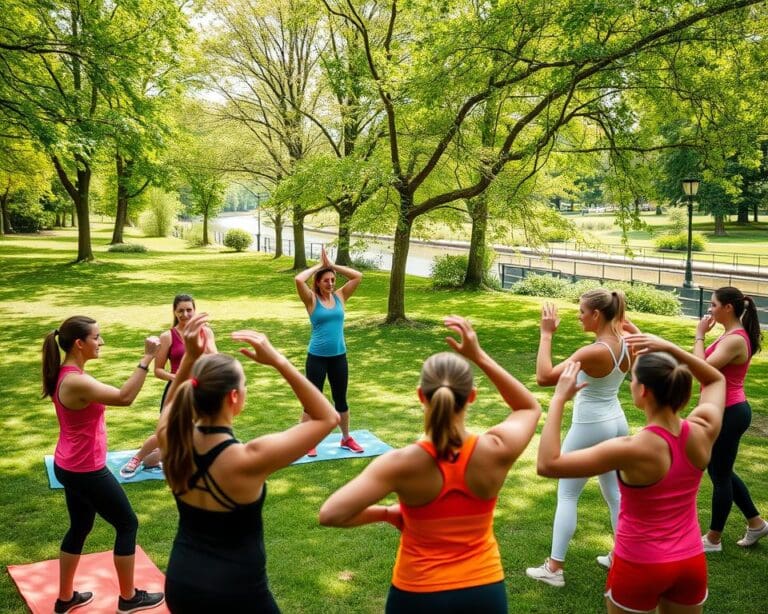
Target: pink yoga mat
x=38 y=583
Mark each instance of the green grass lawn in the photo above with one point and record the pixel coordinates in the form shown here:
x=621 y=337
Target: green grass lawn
x=312 y=569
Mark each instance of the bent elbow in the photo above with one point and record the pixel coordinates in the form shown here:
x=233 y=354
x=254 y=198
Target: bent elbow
x=542 y=380
x=544 y=469
x=327 y=518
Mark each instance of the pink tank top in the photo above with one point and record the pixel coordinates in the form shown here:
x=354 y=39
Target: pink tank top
x=176 y=351
x=659 y=523
x=82 y=444
x=734 y=374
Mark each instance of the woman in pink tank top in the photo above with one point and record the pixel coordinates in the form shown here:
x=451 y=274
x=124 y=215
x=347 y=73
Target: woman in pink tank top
x=171 y=350
x=731 y=353
x=658 y=558
x=81 y=455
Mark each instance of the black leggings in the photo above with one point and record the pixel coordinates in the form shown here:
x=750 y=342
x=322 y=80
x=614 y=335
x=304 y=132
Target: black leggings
x=337 y=370
x=727 y=487
x=187 y=599
x=488 y=598
x=91 y=493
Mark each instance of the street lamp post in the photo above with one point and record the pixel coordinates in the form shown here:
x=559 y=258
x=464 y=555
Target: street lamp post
x=690 y=188
x=258 y=218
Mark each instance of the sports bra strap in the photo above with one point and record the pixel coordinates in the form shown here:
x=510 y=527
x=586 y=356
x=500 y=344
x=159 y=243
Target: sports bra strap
x=204 y=462
x=622 y=354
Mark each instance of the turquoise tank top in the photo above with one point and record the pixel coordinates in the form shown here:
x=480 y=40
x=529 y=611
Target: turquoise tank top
x=327 y=329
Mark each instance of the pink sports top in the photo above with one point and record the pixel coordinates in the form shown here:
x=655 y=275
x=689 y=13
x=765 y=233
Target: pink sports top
x=176 y=351
x=82 y=444
x=449 y=542
x=734 y=374
x=659 y=523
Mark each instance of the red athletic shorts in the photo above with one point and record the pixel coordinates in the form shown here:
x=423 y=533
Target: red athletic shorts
x=638 y=587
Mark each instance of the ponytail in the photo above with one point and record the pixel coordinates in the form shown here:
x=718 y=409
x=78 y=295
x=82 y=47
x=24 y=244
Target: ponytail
x=72 y=329
x=745 y=310
x=446 y=381
x=213 y=377
x=611 y=303
x=669 y=381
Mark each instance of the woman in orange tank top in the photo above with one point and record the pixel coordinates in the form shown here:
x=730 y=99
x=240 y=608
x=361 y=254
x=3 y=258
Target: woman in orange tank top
x=447 y=485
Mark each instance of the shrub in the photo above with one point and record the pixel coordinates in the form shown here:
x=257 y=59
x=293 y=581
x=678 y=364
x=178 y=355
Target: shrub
x=678 y=220
x=679 y=242
x=193 y=235
x=449 y=271
x=647 y=299
x=238 y=239
x=557 y=235
x=541 y=285
x=160 y=210
x=361 y=262
x=31 y=219
x=127 y=248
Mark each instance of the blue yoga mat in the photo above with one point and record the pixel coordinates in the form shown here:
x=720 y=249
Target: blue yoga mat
x=328 y=448
x=115 y=460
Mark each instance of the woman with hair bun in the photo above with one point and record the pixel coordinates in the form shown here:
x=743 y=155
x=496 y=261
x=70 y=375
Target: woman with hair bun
x=80 y=460
x=597 y=412
x=731 y=353
x=658 y=558
x=447 y=485
x=218 y=560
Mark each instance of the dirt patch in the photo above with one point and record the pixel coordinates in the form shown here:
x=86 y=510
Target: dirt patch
x=759 y=426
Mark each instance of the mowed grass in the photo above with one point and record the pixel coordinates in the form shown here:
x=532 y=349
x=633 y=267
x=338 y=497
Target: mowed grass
x=311 y=569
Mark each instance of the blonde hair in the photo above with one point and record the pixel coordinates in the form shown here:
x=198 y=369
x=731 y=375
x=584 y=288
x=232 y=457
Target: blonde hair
x=446 y=381
x=610 y=303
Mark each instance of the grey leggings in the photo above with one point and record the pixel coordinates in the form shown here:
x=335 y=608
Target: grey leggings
x=582 y=436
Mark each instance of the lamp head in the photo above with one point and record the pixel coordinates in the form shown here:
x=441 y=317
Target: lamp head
x=691 y=186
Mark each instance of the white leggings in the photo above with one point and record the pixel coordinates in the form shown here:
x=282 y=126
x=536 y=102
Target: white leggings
x=582 y=436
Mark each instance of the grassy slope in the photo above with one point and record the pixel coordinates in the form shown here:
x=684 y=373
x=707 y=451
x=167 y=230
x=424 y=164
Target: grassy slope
x=311 y=569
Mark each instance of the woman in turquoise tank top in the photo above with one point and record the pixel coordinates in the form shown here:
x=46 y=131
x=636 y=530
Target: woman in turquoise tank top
x=327 y=353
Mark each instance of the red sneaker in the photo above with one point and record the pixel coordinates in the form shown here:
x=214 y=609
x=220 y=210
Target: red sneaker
x=351 y=445
x=312 y=452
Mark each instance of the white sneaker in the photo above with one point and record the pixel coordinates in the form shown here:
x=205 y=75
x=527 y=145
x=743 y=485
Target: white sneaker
x=605 y=561
x=546 y=575
x=711 y=546
x=752 y=535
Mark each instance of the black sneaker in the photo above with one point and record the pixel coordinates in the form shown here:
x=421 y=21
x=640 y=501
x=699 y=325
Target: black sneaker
x=142 y=600
x=78 y=600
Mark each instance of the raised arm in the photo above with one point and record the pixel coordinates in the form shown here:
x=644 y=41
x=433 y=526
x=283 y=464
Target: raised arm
x=272 y=452
x=78 y=391
x=546 y=373
x=353 y=277
x=305 y=292
x=513 y=434
x=161 y=358
x=704 y=325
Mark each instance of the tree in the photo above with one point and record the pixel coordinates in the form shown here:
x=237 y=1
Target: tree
x=560 y=63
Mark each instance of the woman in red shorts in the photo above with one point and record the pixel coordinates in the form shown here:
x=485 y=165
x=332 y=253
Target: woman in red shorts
x=658 y=559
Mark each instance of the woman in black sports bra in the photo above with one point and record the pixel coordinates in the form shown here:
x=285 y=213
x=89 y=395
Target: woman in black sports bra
x=218 y=562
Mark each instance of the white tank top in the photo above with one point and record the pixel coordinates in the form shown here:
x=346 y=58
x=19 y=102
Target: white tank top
x=599 y=401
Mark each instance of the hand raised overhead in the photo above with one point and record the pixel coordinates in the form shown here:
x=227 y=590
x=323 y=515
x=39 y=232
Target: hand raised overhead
x=261 y=349
x=468 y=344
x=195 y=339
x=549 y=319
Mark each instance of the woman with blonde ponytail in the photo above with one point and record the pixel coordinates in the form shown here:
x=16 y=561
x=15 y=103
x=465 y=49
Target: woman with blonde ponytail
x=447 y=486
x=80 y=460
x=597 y=413
x=731 y=353
x=218 y=562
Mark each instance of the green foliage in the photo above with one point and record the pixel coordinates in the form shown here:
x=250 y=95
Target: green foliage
x=238 y=239
x=556 y=235
x=679 y=242
x=31 y=218
x=678 y=220
x=640 y=297
x=127 y=248
x=160 y=210
x=193 y=235
x=449 y=271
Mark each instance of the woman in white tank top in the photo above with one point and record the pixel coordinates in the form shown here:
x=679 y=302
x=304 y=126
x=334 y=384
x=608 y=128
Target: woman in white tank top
x=597 y=413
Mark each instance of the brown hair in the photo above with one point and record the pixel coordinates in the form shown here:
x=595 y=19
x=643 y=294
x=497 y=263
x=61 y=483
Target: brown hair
x=668 y=380
x=72 y=329
x=446 y=381
x=611 y=303
x=181 y=298
x=318 y=276
x=745 y=310
x=215 y=375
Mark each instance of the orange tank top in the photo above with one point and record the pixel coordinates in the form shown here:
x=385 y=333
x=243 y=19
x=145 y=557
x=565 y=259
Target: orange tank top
x=448 y=543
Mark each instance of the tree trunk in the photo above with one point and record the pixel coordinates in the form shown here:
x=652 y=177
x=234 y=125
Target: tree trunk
x=396 y=301
x=343 y=256
x=720 y=225
x=743 y=215
x=478 y=211
x=73 y=215
x=121 y=215
x=5 y=218
x=299 y=255
x=205 y=228
x=278 y=223
x=754 y=211
x=84 y=251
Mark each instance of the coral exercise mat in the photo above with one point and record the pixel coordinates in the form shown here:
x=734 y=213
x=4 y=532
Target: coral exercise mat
x=38 y=583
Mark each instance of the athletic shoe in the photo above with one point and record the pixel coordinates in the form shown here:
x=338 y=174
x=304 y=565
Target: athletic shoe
x=605 y=561
x=154 y=468
x=130 y=469
x=142 y=600
x=312 y=452
x=752 y=535
x=351 y=445
x=711 y=546
x=546 y=575
x=78 y=600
